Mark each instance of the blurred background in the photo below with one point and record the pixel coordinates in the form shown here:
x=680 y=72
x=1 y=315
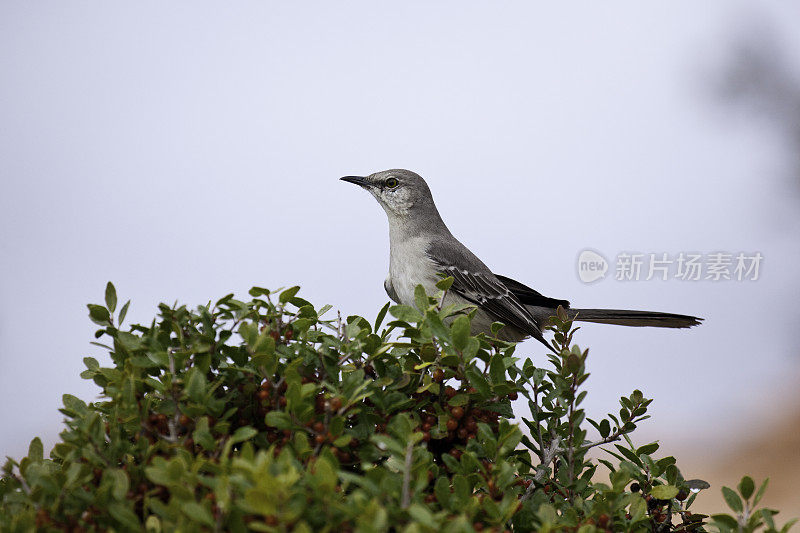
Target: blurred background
x=185 y=150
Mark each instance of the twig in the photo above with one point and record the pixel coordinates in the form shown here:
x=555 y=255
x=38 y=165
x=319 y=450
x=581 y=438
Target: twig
x=22 y=482
x=615 y=436
x=540 y=440
x=441 y=302
x=406 y=501
x=172 y=423
x=541 y=470
x=571 y=444
x=611 y=438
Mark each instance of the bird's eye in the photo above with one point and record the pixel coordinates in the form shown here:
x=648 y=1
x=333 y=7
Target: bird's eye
x=392 y=183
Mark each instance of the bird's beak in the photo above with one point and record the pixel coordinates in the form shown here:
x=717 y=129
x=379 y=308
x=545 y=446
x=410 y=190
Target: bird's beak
x=358 y=180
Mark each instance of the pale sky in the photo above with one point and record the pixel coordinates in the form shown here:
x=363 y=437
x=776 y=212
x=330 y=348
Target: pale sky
x=185 y=150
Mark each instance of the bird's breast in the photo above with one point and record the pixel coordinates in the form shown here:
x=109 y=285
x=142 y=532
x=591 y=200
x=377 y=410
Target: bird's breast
x=409 y=266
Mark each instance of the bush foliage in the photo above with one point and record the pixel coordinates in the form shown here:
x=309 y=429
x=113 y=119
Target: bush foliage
x=266 y=416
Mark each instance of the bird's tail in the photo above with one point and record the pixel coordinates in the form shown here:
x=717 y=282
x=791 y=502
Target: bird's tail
x=623 y=317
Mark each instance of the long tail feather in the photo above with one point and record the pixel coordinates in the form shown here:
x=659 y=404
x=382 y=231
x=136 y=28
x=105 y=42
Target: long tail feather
x=622 y=317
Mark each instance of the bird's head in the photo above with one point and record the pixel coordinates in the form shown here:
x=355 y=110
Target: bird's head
x=401 y=193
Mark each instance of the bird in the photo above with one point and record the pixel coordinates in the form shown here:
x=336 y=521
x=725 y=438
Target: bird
x=422 y=251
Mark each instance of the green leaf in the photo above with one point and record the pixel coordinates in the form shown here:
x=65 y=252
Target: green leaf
x=202 y=434
x=760 y=493
x=746 y=487
x=197 y=512
x=421 y=298
x=459 y=399
x=74 y=404
x=264 y=344
x=422 y=515
x=647 y=449
x=243 y=433
x=255 y=292
x=123 y=312
x=381 y=316
x=573 y=363
x=124 y=515
x=129 y=341
x=99 y=314
x=638 y=508
x=325 y=474
x=497 y=369
x=726 y=520
x=631 y=456
x=788 y=525
x=478 y=381
x=119 y=482
x=461 y=489
x=444 y=284
x=528 y=369
x=196 y=385
x=496 y=327
x=664 y=492
x=278 y=419
x=406 y=313
x=442 y=491
x=605 y=428
x=288 y=294
x=342 y=441
x=766 y=514
x=73 y=473
x=459 y=332
x=36 y=450
x=697 y=484
x=111 y=297
x=438 y=328
x=547 y=514
x=732 y=499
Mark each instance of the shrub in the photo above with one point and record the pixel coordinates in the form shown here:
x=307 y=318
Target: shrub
x=266 y=416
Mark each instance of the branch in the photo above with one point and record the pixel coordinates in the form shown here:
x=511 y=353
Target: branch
x=615 y=436
x=406 y=500
x=540 y=437
x=541 y=470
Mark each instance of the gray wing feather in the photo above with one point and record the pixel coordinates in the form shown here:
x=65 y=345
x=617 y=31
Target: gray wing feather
x=473 y=281
x=389 y=288
x=491 y=296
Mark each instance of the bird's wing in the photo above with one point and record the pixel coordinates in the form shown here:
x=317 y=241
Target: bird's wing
x=528 y=296
x=476 y=284
x=389 y=288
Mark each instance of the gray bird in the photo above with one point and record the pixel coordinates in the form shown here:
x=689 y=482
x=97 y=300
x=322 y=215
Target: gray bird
x=422 y=249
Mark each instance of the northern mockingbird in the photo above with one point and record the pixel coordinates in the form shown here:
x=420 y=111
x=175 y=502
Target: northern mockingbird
x=421 y=249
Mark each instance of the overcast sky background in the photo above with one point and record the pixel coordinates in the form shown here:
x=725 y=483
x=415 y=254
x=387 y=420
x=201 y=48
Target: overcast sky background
x=185 y=150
